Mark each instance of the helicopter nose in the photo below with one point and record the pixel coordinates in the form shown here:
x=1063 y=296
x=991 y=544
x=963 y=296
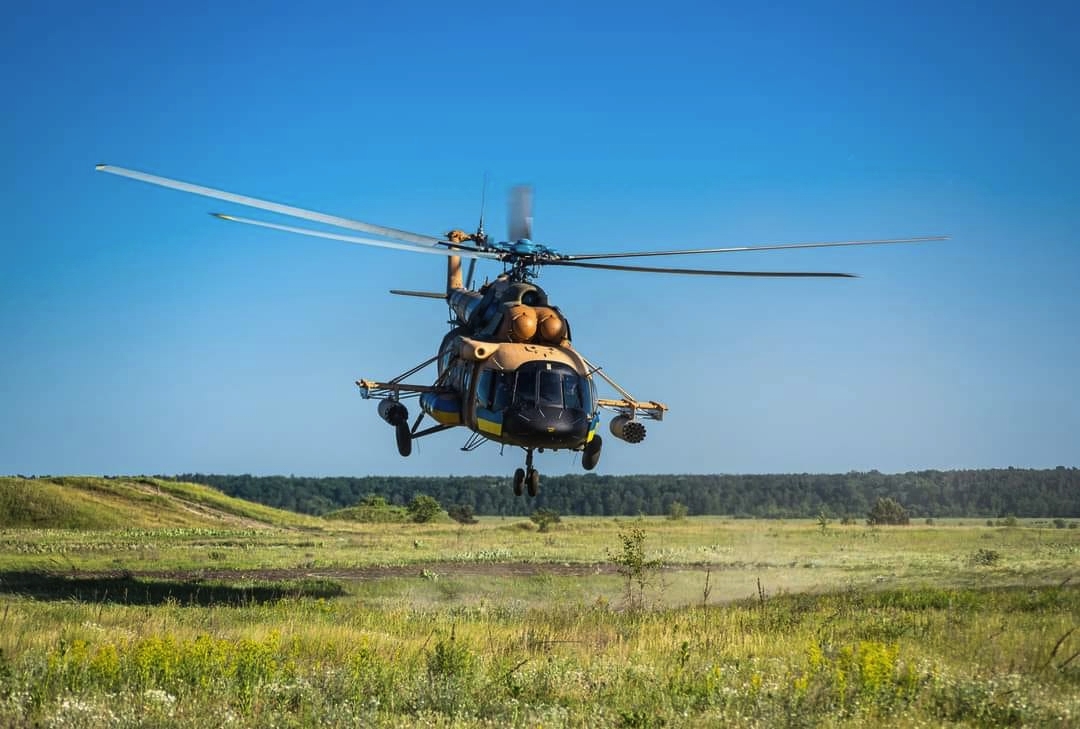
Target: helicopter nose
x=548 y=427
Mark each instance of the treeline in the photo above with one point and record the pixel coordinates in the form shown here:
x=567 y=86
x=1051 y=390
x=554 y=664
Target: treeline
x=991 y=493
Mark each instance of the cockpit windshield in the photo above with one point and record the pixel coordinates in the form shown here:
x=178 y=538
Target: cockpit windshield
x=552 y=388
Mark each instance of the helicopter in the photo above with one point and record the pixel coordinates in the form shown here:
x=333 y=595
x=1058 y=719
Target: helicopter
x=506 y=370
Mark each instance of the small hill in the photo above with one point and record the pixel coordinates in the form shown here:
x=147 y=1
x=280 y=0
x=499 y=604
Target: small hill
x=86 y=502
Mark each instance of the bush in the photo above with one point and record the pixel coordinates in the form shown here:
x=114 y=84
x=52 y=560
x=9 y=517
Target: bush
x=462 y=514
x=677 y=511
x=887 y=511
x=544 y=518
x=423 y=508
x=633 y=566
x=371 y=510
x=985 y=558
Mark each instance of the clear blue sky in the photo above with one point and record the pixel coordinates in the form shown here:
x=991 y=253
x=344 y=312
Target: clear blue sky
x=139 y=335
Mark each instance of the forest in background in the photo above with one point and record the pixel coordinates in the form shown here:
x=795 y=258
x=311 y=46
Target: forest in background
x=990 y=493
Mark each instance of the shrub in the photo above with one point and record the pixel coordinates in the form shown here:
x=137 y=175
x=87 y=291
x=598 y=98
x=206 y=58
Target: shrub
x=887 y=511
x=371 y=510
x=462 y=514
x=633 y=566
x=544 y=518
x=423 y=508
x=985 y=557
x=677 y=511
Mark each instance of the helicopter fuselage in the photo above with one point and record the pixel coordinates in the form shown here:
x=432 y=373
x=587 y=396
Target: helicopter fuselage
x=517 y=393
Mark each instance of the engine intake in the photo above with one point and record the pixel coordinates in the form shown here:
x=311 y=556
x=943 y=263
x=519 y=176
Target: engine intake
x=625 y=428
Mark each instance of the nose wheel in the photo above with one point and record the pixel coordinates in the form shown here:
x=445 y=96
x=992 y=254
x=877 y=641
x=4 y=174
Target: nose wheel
x=527 y=478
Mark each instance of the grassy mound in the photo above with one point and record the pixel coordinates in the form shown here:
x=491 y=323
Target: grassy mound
x=84 y=502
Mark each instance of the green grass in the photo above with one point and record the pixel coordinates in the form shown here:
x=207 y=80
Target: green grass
x=289 y=621
x=92 y=503
x=908 y=657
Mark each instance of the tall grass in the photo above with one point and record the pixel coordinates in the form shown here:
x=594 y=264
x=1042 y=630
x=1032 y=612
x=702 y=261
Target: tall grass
x=748 y=624
x=977 y=657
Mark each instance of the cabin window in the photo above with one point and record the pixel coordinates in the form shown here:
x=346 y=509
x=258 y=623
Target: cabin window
x=485 y=387
x=500 y=399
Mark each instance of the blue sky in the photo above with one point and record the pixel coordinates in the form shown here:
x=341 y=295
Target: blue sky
x=140 y=335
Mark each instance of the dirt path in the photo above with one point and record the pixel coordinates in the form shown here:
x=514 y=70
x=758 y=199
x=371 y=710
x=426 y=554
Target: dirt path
x=425 y=569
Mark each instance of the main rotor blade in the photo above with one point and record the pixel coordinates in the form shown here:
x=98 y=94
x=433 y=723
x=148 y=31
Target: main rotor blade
x=700 y=271
x=357 y=240
x=521 y=217
x=273 y=207
x=420 y=294
x=739 y=249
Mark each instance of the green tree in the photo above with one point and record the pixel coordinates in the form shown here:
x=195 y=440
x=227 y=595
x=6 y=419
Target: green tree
x=677 y=511
x=633 y=566
x=823 y=521
x=423 y=508
x=887 y=511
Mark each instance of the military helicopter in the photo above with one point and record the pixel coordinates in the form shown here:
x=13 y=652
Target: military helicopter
x=506 y=369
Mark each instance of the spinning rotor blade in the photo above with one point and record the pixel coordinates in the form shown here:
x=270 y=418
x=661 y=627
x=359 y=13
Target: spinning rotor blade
x=738 y=249
x=700 y=271
x=404 y=235
x=521 y=217
x=361 y=241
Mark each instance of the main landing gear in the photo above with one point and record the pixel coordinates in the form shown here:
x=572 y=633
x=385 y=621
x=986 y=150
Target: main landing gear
x=590 y=456
x=404 y=439
x=528 y=477
x=397 y=415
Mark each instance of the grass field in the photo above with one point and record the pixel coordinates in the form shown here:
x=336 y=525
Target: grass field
x=256 y=618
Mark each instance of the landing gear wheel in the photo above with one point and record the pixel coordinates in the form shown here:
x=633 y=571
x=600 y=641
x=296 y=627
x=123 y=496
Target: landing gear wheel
x=533 y=482
x=519 y=481
x=404 y=439
x=591 y=455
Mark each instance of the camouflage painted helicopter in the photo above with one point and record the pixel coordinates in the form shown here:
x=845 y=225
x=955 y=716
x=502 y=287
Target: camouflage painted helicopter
x=506 y=370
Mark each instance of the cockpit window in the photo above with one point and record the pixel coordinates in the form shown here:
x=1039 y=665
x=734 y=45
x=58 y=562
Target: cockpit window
x=571 y=385
x=551 y=388
x=525 y=389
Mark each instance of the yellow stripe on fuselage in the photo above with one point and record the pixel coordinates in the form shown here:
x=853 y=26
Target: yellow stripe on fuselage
x=489 y=426
x=446 y=417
